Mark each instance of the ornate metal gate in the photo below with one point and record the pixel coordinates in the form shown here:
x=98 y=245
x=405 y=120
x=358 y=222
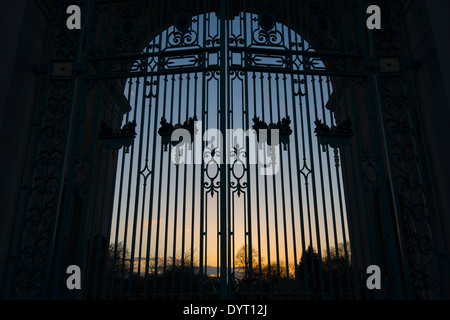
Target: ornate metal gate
x=319 y=177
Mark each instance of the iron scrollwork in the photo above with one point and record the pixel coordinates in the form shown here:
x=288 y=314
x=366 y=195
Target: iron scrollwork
x=410 y=186
x=128 y=26
x=411 y=190
x=181 y=39
x=212 y=170
x=238 y=170
x=267 y=34
x=40 y=206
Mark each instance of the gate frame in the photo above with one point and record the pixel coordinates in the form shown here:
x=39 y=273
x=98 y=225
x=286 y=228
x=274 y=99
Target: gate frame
x=55 y=243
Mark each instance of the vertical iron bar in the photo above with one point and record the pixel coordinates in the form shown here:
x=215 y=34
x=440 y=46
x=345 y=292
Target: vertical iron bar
x=130 y=182
x=246 y=110
x=137 y=183
x=285 y=38
x=374 y=80
x=152 y=170
x=274 y=191
x=158 y=220
x=204 y=92
x=341 y=213
x=37 y=121
x=228 y=147
x=119 y=206
x=85 y=218
x=297 y=163
x=322 y=191
x=166 y=232
x=163 y=42
x=299 y=169
x=147 y=41
x=109 y=227
x=183 y=224
x=349 y=211
x=331 y=201
x=194 y=190
x=415 y=117
x=420 y=137
x=263 y=111
x=283 y=196
x=175 y=211
x=312 y=173
x=58 y=245
x=257 y=197
x=223 y=165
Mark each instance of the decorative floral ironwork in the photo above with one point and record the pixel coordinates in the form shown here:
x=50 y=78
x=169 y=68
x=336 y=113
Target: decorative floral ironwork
x=212 y=40
x=238 y=170
x=411 y=189
x=81 y=175
x=39 y=207
x=116 y=139
x=128 y=18
x=408 y=173
x=268 y=37
x=284 y=131
x=334 y=136
x=166 y=130
x=212 y=158
x=177 y=38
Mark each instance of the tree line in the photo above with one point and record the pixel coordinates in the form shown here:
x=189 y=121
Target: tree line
x=330 y=272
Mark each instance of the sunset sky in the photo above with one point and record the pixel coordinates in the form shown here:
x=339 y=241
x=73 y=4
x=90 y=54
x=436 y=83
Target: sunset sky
x=161 y=212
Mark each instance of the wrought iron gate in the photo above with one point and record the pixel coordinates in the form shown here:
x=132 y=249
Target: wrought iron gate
x=220 y=215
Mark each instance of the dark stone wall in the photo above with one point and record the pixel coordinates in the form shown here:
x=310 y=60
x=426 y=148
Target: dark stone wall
x=23 y=26
x=428 y=25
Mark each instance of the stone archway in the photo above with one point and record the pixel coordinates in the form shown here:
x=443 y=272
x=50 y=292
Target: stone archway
x=391 y=185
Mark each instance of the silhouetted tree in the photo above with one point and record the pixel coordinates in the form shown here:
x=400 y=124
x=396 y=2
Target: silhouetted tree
x=178 y=276
x=275 y=271
x=118 y=260
x=331 y=274
x=308 y=269
x=118 y=267
x=337 y=267
x=243 y=259
x=106 y=266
